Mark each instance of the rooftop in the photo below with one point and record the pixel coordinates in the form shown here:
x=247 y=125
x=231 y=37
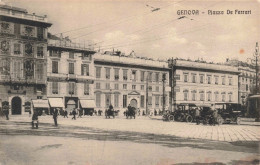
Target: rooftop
x=16 y=12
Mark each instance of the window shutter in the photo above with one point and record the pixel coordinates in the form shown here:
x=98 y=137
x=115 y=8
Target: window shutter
x=75 y=88
x=58 y=89
x=49 y=88
x=82 y=69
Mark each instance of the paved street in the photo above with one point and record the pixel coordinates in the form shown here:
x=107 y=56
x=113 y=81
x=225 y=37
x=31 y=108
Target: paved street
x=226 y=132
x=122 y=141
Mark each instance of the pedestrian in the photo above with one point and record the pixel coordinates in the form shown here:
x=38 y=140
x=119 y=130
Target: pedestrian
x=197 y=116
x=155 y=112
x=143 y=113
x=6 y=111
x=80 y=113
x=55 y=116
x=74 y=114
x=65 y=113
x=139 y=112
x=35 y=119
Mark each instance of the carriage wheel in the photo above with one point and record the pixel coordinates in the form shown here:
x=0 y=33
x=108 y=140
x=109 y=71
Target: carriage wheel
x=238 y=120
x=189 y=119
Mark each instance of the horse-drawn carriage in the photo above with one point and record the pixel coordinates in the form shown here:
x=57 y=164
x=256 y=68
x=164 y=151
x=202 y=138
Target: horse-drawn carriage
x=130 y=112
x=110 y=112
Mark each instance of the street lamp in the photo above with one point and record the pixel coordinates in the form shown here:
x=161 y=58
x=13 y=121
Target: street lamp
x=172 y=65
x=163 y=79
x=255 y=60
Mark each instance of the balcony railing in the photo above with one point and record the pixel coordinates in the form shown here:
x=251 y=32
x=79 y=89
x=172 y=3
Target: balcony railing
x=12 y=13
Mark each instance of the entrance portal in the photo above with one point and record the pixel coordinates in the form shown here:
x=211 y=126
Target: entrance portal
x=133 y=103
x=71 y=105
x=16 y=106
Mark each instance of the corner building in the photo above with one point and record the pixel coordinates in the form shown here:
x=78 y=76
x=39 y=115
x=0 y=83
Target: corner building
x=70 y=75
x=204 y=83
x=23 y=58
x=122 y=80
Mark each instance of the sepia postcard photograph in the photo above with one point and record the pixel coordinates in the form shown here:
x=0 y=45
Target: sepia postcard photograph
x=129 y=82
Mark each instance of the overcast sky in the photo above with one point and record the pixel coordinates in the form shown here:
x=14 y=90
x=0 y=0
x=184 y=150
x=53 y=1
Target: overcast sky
x=130 y=25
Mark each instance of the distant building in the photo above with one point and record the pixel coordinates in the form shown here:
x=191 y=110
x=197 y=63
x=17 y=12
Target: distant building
x=70 y=75
x=204 y=83
x=122 y=80
x=23 y=58
x=246 y=79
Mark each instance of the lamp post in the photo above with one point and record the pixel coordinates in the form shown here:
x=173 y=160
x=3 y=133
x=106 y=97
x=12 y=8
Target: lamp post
x=163 y=80
x=256 y=55
x=254 y=61
x=172 y=64
x=146 y=100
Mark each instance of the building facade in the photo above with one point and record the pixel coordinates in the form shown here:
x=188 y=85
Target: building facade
x=122 y=80
x=70 y=75
x=246 y=79
x=23 y=58
x=203 y=83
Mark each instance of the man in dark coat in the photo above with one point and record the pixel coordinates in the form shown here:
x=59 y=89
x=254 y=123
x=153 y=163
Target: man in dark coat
x=55 y=116
x=65 y=113
x=74 y=114
x=35 y=118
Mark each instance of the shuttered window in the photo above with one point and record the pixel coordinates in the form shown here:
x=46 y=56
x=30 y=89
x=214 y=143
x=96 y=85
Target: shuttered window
x=71 y=68
x=55 y=88
x=86 y=89
x=85 y=69
x=98 y=99
x=98 y=72
x=142 y=101
x=116 y=99
x=55 y=66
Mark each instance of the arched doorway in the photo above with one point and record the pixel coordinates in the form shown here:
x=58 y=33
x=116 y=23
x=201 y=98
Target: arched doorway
x=16 y=106
x=133 y=103
x=71 y=104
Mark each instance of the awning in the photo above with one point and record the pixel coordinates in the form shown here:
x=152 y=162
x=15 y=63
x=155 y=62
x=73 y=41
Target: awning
x=87 y=103
x=255 y=96
x=40 y=103
x=56 y=102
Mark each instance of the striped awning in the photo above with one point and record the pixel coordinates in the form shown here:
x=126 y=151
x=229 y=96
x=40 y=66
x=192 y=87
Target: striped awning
x=40 y=103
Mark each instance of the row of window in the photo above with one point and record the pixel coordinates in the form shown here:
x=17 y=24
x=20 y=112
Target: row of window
x=71 y=90
x=150 y=76
x=22 y=69
x=26 y=30
x=209 y=96
x=28 y=49
x=116 y=100
x=84 y=68
x=202 y=79
x=134 y=87
x=57 y=53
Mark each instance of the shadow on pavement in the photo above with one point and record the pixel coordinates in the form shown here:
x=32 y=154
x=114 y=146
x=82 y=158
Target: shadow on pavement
x=86 y=133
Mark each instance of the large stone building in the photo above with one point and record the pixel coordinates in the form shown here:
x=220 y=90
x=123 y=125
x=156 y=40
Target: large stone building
x=122 y=80
x=70 y=74
x=204 y=83
x=246 y=79
x=23 y=58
